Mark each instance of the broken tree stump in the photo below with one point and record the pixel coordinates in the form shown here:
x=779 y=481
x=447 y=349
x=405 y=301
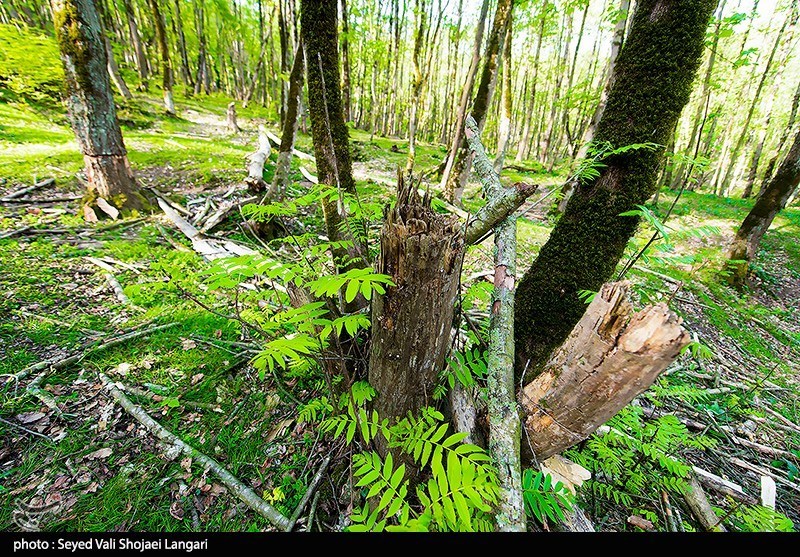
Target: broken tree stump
x=422 y=251
x=233 y=125
x=609 y=358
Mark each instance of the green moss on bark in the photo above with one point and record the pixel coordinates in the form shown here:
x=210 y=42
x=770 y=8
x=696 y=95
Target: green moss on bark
x=653 y=80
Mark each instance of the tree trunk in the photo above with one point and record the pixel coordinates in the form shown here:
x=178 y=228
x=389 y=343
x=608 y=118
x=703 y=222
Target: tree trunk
x=422 y=251
x=166 y=66
x=328 y=129
x=734 y=158
x=90 y=105
x=466 y=92
x=587 y=243
x=203 y=79
x=771 y=201
x=113 y=71
x=136 y=39
x=231 y=122
x=416 y=84
x=616 y=46
x=784 y=138
x=346 y=63
x=483 y=98
x=609 y=358
x=523 y=151
x=281 y=177
x=504 y=131
x=187 y=73
x=255 y=170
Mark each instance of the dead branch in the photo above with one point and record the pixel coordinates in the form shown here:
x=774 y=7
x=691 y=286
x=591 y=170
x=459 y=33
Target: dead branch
x=58 y=363
x=244 y=493
x=696 y=498
x=255 y=170
x=309 y=492
x=608 y=359
x=25 y=191
x=764 y=472
x=721 y=485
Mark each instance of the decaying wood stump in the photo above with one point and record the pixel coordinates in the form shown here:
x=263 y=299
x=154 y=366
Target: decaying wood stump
x=232 y=124
x=422 y=251
x=609 y=358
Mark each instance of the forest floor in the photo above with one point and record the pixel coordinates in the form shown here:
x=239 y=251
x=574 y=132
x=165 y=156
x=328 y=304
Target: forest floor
x=87 y=465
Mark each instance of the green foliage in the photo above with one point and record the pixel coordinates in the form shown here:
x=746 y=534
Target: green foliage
x=357 y=280
x=590 y=167
x=755 y=518
x=466 y=367
x=543 y=499
x=587 y=296
x=462 y=484
x=30 y=67
x=637 y=458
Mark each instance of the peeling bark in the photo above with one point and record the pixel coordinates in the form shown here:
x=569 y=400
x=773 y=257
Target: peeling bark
x=609 y=358
x=422 y=251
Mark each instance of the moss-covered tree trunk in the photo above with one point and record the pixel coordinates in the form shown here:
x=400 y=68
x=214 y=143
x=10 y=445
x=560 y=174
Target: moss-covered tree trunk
x=90 y=104
x=290 y=122
x=652 y=83
x=422 y=251
x=771 y=201
x=319 y=33
x=166 y=64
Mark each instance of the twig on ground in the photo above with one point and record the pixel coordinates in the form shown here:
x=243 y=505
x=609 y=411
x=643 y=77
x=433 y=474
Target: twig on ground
x=25 y=429
x=309 y=492
x=244 y=493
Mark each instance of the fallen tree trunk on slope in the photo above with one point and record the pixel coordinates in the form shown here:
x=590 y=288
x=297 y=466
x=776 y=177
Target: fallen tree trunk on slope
x=608 y=359
x=255 y=169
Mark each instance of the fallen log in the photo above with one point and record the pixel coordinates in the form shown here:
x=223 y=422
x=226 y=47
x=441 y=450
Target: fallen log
x=255 y=170
x=209 y=248
x=608 y=359
x=224 y=209
x=244 y=493
x=721 y=485
x=764 y=472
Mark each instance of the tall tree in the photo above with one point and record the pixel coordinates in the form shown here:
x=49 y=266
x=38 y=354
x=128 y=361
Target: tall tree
x=462 y=163
x=587 y=243
x=163 y=47
x=319 y=34
x=290 y=122
x=185 y=70
x=136 y=39
x=346 y=63
x=90 y=105
x=771 y=201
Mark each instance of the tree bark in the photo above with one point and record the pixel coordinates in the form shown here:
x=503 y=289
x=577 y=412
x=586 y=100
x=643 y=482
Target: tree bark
x=90 y=105
x=422 y=251
x=504 y=128
x=587 y=243
x=331 y=141
x=187 y=73
x=608 y=359
x=480 y=105
x=290 y=123
x=113 y=71
x=772 y=200
x=231 y=122
x=136 y=39
x=166 y=65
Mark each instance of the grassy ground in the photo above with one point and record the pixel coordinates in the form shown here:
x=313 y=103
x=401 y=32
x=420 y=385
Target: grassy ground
x=53 y=300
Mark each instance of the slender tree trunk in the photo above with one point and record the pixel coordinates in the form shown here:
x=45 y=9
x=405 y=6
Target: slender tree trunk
x=281 y=177
x=163 y=47
x=784 y=138
x=187 y=73
x=466 y=93
x=136 y=40
x=734 y=158
x=203 y=79
x=523 y=151
x=483 y=98
x=346 y=63
x=772 y=200
x=587 y=243
x=416 y=83
x=113 y=72
x=90 y=105
x=504 y=131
